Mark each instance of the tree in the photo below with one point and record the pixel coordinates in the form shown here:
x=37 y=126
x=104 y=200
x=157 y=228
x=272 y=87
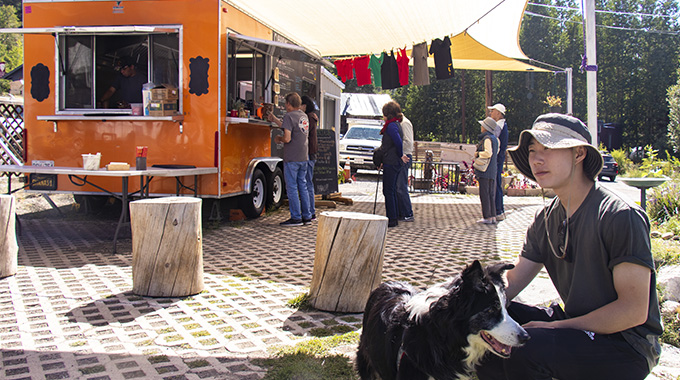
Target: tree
x=11 y=46
x=674 y=115
x=17 y=7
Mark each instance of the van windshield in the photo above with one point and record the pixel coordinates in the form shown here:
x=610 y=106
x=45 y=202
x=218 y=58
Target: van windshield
x=363 y=133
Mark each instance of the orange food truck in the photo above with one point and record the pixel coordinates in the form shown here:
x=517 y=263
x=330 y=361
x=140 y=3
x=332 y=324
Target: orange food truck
x=207 y=70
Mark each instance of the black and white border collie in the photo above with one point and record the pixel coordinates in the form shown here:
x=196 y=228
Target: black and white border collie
x=440 y=333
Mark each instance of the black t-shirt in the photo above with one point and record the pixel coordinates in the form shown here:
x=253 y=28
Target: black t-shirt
x=129 y=89
x=603 y=232
x=443 y=65
x=389 y=72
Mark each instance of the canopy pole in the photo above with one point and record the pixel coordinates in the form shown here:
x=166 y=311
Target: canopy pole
x=463 y=109
x=591 y=73
x=570 y=93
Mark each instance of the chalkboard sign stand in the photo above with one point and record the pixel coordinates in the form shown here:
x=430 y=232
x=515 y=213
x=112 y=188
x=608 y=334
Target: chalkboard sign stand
x=326 y=168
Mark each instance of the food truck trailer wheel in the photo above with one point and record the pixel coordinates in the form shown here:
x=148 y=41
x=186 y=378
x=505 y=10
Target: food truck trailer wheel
x=253 y=204
x=276 y=189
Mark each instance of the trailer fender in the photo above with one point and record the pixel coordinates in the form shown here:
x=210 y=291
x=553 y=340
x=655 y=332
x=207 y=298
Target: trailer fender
x=270 y=162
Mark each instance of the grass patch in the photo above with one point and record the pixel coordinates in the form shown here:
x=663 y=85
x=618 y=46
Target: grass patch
x=301 y=302
x=310 y=360
x=158 y=359
x=665 y=252
x=90 y=370
x=671 y=328
x=198 y=363
x=173 y=338
x=308 y=367
x=320 y=332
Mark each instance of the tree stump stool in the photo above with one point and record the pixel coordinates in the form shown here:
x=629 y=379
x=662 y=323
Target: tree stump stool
x=167 y=248
x=9 y=249
x=348 y=260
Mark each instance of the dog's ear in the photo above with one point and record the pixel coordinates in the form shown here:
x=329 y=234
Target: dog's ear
x=495 y=272
x=499 y=268
x=473 y=274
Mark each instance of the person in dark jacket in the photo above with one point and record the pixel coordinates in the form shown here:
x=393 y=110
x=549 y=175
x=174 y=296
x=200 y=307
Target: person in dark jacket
x=393 y=158
x=308 y=107
x=497 y=112
x=487 y=149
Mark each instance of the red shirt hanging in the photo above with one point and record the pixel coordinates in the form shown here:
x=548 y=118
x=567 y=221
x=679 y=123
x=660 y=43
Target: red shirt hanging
x=361 y=70
x=402 y=65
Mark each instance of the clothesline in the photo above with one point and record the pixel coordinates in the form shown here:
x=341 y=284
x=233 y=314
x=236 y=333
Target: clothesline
x=391 y=72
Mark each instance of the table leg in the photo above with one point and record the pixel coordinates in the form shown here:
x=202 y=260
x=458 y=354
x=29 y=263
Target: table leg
x=643 y=199
x=123 y=212
x=196 y=185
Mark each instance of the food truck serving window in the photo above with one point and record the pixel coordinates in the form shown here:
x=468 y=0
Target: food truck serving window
x=265 y=70
x=104 y=70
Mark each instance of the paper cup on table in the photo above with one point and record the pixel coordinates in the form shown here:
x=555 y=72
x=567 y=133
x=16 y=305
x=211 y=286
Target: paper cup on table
x=91 y=161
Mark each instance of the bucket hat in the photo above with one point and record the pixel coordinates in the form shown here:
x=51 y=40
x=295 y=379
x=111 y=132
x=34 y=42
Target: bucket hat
x=557 y=131
x=489 y=124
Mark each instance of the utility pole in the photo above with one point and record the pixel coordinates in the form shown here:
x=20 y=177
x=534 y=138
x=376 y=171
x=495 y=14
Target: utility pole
x=591 y=69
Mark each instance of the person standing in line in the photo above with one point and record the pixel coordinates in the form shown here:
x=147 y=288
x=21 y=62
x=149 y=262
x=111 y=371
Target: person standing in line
x=497 y=112
x=403 y=198
x=393 y=158
x=596 y=249
x=487 y=149
x=295 y=126
x=309 y=108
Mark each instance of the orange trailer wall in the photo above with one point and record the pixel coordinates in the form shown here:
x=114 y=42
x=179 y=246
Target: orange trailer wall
x=202 y=140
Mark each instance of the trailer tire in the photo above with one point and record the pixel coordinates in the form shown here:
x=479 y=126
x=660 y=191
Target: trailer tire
x=276 y=189
x=253 y=204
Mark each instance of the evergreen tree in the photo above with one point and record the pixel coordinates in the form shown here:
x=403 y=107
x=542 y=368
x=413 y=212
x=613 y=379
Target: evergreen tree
x=11 y=45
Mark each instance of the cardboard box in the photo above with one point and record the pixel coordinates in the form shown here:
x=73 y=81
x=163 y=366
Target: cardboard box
x=162 y=108
x=164 y=92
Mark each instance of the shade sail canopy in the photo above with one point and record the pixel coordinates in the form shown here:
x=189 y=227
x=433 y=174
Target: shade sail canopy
x=484 y=33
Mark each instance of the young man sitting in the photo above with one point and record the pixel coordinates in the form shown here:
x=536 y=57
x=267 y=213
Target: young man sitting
x=596 y=250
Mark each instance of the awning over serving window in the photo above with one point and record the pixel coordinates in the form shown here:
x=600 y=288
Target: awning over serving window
x=96 y=29
x=279 y=49
x=484 y=33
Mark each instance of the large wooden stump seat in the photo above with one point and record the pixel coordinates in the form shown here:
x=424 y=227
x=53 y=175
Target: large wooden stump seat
x=348 y=260
x=9 y=248
x=167 y=248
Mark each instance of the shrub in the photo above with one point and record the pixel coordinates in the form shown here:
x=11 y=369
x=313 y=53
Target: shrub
x=621 y=158
x=664 y=202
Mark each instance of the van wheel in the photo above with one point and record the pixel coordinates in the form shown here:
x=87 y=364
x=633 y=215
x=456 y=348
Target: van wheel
x=276 y=189
x=253 y=204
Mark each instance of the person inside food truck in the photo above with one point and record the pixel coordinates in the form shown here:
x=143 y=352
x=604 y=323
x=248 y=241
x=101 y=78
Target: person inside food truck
x=127 y=85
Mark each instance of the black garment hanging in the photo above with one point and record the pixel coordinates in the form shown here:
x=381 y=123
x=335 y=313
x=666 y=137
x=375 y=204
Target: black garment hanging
x=390 y=72
x=443 y=65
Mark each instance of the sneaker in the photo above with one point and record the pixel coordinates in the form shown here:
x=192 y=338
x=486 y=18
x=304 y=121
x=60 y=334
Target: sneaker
x=392 y=223
x=500 y=217
x=313 y=217
x=407 y=219
x=291 y=222
x=487 y=221
x=306 y=221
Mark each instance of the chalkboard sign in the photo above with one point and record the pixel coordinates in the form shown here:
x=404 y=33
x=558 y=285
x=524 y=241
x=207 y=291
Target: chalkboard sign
x=326 y=168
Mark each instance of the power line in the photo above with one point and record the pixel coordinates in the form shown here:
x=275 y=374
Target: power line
x=603 y=11
x=605 y=26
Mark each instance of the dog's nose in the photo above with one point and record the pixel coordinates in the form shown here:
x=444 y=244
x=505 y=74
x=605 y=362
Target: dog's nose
x=523 y=337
